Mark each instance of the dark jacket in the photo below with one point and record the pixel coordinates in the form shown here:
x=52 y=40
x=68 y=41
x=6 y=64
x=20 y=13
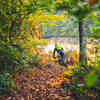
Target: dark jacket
x=55 y=49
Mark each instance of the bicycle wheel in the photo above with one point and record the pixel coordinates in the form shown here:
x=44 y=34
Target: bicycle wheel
x=62 y=62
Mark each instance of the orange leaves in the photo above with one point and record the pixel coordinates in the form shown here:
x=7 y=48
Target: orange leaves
x=2 y=97
x=41 y=84
x=57 y=81
x=44 y=59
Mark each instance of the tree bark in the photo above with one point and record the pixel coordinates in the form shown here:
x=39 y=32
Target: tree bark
x=82 y=43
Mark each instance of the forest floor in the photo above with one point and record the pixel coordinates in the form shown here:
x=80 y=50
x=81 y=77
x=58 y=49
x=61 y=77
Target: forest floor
x=43 y=80
x=39 y=82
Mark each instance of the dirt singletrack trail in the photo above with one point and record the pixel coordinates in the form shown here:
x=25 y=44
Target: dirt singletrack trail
x=39 y=83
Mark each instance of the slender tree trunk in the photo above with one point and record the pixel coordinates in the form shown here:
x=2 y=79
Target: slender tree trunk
x=82 y=42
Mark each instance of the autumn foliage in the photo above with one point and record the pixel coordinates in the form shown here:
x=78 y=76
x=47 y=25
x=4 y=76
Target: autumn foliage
x=26 y=71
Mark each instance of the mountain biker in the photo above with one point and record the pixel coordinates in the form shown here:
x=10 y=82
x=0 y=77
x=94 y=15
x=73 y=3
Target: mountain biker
x=61 y=56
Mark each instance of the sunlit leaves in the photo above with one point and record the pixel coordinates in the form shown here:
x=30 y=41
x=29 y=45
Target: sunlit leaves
x=68 y=72
x=45 y=18
x=59 y=1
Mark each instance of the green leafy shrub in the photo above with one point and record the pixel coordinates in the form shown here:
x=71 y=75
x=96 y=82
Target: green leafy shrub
x=6 y=82
x=93 y=78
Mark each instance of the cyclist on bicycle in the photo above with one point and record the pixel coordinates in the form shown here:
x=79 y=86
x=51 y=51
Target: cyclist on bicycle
x=61 y=56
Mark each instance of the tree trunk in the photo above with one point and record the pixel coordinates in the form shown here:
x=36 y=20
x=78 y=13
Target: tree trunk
x=82 y=42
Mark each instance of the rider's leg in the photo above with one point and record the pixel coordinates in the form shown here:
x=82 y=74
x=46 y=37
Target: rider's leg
x=59 y=59
x=65 y=65
x=63 y=59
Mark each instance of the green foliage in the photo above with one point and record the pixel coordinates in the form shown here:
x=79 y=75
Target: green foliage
x=91 y=79
x=30 y=58
x=78 y=8
x=17 y=35
x=9 y=57
x=79 y=73
x=6 y=82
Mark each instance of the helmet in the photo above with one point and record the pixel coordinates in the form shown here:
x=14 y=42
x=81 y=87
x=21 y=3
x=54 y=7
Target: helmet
x=55 y=44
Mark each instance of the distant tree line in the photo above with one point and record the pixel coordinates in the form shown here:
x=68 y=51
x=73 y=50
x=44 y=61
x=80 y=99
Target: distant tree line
x=66 y=28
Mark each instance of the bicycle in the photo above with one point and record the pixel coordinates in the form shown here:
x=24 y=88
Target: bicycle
x=62 y=60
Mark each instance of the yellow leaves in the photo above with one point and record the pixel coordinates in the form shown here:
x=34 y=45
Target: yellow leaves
x=75 y=57
x=26 y=2
x=70 y=70
x=95 y=28
x=45 y=18
x=36 y=20
x=59 y=1
x=69 y=66
x=56 y=59
x=43 y=42
x=14 y=42
x=31 y=15
x=53 y=24
x=18 y=3
x=9 y=3
x=32 y=49
x=68 y=73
